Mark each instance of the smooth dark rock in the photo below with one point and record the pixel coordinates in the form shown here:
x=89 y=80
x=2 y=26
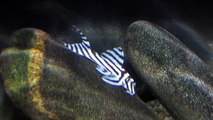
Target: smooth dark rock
x=191 y=39
x=47 y=81
x=179 y=78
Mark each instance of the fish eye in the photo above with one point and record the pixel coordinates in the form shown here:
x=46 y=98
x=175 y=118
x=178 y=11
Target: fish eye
x=127 y=79
x=131 y=79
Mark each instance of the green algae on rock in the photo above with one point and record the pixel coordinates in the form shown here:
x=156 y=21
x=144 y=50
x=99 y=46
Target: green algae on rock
x=176 y=75
x=47 y=81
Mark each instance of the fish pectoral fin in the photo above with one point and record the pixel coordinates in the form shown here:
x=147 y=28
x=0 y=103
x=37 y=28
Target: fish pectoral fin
x=112 y=80
x=102 y=70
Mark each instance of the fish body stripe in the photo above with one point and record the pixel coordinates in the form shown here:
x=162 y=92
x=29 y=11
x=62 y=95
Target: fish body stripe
x=104 y=63
x=73 y=48
x=119 y=51
x=84 y=51
x=109 y=63
x=114 y=67
x=112 y=57
x=86 y=43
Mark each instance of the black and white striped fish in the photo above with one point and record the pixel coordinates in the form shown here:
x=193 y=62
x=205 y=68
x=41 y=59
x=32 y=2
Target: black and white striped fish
x=109 y=63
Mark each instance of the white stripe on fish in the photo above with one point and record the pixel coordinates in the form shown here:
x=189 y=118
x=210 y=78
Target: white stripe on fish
x=109 y=63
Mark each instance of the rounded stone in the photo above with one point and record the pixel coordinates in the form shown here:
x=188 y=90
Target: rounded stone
x=47 y=81
x=179 y=78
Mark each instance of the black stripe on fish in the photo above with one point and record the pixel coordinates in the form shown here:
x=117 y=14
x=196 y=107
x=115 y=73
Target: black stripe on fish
x=109 y=63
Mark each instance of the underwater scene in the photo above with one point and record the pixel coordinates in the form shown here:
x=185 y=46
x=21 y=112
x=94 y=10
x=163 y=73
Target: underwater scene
x=106 y=60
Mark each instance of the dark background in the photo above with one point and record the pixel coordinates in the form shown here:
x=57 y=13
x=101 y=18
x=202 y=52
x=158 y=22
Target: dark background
x=57 y=15
x=190 y=20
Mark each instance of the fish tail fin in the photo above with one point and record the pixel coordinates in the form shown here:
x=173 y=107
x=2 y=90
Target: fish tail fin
x=83 y=37
x=82 y=48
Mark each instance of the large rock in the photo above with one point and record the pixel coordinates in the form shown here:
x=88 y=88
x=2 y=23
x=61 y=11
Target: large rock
x=176 y=75
x=47 y=82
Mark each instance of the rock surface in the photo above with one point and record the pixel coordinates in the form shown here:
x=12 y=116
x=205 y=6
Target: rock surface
x=180 y=79
x=47 y=82
x=210 y=62
x=160 y=110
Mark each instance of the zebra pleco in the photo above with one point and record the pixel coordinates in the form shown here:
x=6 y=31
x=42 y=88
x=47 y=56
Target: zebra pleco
x=109 y=63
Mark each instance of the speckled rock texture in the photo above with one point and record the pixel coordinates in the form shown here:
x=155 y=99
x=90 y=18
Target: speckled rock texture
x=180 y=80
x=46 y=81
x=160 y=110
x=210 y=62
